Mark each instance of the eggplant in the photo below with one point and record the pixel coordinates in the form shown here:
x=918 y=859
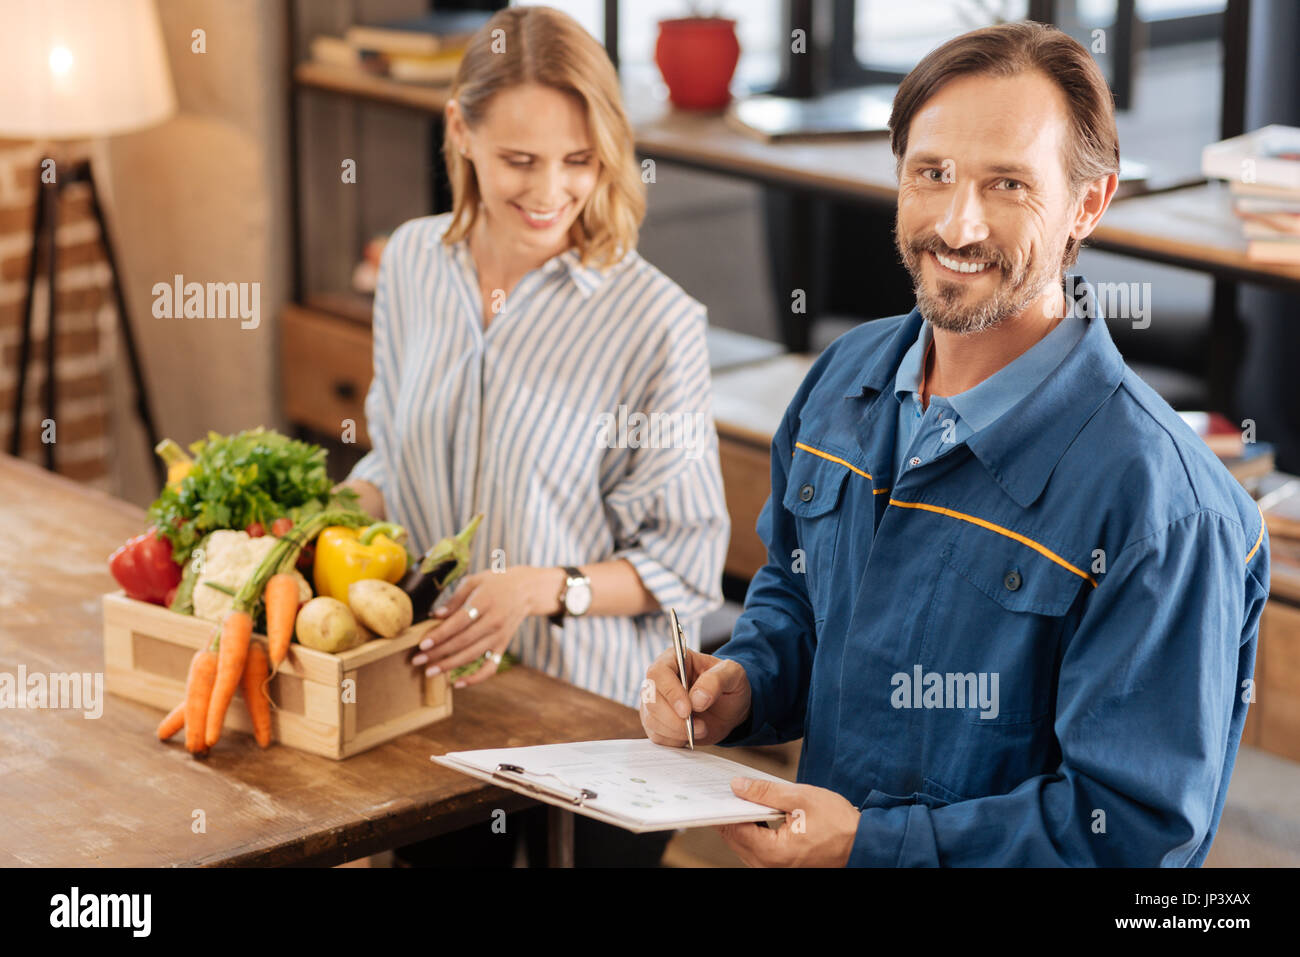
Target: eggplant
x=441 y=566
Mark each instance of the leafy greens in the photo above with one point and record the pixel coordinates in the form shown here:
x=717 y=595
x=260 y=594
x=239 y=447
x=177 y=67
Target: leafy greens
x=257 y=475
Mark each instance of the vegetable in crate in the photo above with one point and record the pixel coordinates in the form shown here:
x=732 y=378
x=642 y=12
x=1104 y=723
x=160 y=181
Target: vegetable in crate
x=442 y=564
x=346 y=555
x=255 y=476
x=229 y=559
x=326 y=624
x=179 y=464
x=279 y=559
x=380 y=607
x=257 y=672
x=144 y=567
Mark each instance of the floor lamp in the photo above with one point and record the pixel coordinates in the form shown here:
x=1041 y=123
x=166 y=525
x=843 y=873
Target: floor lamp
x=75 y=70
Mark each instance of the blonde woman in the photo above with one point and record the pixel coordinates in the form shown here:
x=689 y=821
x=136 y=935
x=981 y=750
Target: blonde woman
x=516 y=341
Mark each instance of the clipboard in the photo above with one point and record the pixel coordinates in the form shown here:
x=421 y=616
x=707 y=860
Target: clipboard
x=585 y=799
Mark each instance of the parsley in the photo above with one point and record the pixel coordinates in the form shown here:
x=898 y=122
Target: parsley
x=257 y=475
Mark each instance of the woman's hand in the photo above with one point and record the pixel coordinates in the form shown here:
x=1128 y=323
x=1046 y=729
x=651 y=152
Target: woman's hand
x=482 y=616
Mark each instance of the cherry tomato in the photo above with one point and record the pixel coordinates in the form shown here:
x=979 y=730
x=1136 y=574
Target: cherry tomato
x=280 y=527
x=255 y=530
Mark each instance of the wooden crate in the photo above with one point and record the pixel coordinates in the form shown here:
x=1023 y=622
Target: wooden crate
x=332 y=705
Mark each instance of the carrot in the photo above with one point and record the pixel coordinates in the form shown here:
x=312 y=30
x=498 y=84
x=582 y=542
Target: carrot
x=256 y=671
x=172 y=723
x=198 y=694
x=236 y=631
x=281 y=599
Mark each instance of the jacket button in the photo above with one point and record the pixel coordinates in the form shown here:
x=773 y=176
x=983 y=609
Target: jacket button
x=806 y=493
x=1012 y=580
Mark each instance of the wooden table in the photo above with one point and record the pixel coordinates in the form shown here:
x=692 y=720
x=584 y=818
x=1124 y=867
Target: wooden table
x=84 y=792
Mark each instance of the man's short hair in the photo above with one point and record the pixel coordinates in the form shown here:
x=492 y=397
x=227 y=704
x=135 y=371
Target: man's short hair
x=1008 y=49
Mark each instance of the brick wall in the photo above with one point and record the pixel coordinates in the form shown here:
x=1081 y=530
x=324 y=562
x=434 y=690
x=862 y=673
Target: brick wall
x=86 y=323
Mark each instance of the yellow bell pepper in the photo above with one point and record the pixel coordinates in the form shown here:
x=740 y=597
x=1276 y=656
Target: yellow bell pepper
x=346 y=555
x=179 y=464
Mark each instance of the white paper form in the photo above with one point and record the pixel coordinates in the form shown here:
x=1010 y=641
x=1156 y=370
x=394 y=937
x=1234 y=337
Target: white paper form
x=635 y=779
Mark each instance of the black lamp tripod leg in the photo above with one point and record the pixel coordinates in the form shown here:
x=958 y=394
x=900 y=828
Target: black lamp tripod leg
x=124 y=325
x=43 y=196
x=51 y=332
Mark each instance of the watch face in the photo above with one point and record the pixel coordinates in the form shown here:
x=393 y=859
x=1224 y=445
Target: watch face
x=578 y=599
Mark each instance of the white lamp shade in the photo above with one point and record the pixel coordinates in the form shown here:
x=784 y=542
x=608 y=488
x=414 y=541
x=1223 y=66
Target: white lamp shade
x=77 y=69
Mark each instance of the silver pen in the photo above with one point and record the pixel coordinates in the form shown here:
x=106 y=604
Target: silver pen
x=679 y=646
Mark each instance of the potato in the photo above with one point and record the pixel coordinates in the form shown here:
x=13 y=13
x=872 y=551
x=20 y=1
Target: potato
x=326 y=624
x=383 y=608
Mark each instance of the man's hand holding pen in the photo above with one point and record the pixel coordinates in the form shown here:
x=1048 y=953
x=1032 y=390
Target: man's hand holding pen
x=820 y=825
x=718 y=700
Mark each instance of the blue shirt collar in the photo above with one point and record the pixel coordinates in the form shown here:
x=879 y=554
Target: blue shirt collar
x=1021 y=450
x=986 y=402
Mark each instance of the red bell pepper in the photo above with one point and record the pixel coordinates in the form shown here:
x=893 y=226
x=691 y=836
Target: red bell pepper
x=144 y=567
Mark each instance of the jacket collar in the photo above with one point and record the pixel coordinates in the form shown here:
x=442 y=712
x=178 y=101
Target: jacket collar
x=1022 y=448
x=881 y=371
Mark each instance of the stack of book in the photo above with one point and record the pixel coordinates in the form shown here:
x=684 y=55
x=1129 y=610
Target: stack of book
x=427 y=49
x=1263 y=170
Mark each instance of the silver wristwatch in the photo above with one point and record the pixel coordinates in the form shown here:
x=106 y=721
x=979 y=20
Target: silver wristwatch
x=575 y=597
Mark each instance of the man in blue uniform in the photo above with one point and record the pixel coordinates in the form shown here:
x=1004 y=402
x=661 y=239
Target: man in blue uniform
x=1011 y=601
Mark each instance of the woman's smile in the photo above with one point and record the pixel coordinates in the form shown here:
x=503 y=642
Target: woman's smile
x=541 y=219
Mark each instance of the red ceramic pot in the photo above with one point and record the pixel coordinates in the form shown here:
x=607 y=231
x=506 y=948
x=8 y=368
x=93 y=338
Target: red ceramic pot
x=697 y=57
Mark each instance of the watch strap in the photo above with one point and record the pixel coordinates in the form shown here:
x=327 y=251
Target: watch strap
x=570 y=572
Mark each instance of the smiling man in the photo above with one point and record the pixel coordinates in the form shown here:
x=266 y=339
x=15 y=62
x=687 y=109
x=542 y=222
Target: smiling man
x=1011 y=601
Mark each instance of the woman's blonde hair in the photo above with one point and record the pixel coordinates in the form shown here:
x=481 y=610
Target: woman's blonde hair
x=541 y=45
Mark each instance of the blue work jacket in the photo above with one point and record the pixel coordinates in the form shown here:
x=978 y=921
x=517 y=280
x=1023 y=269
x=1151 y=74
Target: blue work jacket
x=1036 y=648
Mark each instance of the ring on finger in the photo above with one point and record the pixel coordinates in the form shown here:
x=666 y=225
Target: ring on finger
x=492 y=656
x=472 y=612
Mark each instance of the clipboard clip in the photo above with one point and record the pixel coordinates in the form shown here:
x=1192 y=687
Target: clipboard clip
x=576 y=795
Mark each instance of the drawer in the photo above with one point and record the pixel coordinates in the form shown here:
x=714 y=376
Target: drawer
x=1279 y=645
x=325 y=371
x=747 y=482
x=1277 y=682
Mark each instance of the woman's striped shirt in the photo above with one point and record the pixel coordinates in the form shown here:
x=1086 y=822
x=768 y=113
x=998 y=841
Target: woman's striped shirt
x=579 y=422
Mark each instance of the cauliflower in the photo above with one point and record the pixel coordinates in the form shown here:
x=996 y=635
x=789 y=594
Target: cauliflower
x=229 y=559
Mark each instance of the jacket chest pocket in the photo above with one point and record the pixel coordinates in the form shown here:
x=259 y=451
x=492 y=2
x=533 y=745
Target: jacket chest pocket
x=997 y=628
x=1000 y=612
x=814 y=495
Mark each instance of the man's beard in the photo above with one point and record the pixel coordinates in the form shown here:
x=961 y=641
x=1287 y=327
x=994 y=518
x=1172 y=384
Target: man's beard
x=1015 y=291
